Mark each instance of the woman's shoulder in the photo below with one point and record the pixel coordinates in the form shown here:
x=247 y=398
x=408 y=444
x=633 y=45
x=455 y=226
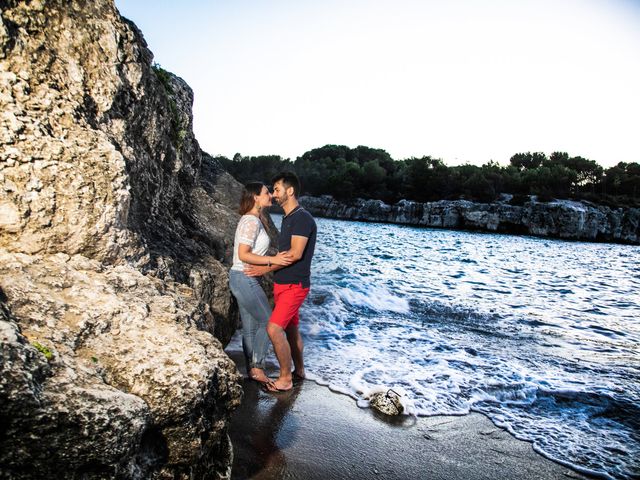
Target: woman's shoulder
x=249 y=221
x=248 y=218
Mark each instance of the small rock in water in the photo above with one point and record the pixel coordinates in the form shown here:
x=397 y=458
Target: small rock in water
x=387 y=403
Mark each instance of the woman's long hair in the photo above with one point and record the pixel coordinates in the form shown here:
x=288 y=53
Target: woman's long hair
x=246 y=200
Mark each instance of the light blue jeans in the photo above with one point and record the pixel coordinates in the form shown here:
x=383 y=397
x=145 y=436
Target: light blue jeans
x=254 y=312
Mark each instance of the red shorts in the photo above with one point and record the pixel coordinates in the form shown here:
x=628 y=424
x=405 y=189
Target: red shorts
x=288 y=298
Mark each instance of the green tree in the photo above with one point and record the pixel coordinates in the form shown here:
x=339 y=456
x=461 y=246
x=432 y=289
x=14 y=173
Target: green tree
x=527 y=161
x=478 y=188
x=588 y=173
x=373 y=176
x=623 y=179
x=371 y=173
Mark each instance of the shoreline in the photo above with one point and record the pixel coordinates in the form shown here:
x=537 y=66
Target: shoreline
x=312 y=432
x=566 y=220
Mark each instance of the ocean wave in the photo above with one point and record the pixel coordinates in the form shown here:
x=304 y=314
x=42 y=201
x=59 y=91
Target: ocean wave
x=377 y=299
x=593 y=429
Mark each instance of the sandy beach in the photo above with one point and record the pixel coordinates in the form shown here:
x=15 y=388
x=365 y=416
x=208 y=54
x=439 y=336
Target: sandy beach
x=311 y=432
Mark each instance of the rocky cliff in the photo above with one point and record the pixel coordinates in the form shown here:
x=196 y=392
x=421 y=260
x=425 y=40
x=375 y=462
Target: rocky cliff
x=115 y=235
x=559 y=219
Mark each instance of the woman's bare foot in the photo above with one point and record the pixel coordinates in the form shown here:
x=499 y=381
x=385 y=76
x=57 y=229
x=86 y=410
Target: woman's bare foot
x=258 y=375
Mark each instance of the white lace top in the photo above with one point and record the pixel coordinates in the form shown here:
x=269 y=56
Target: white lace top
x=249 y=232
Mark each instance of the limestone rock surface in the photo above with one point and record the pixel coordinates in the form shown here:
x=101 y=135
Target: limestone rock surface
x=116 y=234
x=127 y=361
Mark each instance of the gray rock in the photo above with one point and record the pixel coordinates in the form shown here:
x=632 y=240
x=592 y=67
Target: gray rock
x=116 y=233
x=558 y=219
x=386 y=402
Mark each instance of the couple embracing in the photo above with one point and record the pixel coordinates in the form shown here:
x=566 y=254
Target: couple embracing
x=291 y=279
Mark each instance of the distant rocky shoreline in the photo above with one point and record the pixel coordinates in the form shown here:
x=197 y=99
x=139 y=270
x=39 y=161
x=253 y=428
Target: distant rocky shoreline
x=563 y=219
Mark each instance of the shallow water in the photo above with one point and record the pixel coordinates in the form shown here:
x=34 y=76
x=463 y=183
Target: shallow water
x=541 y=335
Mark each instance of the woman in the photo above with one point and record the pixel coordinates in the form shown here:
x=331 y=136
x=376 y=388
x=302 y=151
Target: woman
x=249 y=247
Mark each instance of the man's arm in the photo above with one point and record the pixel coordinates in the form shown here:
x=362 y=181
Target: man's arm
x=298 y=244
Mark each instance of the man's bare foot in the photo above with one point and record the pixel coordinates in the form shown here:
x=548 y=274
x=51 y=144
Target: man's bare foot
x=298 y=375
x=279 y=385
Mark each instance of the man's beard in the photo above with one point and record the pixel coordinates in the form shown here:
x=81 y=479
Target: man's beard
x=282 y=199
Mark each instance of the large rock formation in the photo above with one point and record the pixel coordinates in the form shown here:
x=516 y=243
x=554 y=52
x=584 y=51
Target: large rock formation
x=558 y=219
x=115 y=236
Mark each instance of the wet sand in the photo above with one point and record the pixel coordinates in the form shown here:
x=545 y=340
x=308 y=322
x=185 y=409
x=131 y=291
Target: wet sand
x=313 y=433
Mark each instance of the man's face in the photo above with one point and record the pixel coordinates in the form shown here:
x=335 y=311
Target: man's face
x=280 y=193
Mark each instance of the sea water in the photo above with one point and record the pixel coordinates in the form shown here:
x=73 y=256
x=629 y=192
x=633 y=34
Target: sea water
x=542 y=336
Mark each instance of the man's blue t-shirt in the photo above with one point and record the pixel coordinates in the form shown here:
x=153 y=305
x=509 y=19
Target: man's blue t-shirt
x=298 y=222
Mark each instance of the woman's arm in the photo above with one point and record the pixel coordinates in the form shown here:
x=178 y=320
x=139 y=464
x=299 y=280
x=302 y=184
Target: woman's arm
x=259 y=270
x=245 y=255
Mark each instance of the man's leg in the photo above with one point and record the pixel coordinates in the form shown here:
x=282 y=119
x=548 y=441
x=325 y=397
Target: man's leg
x=283 y=354
x=282 y=313
x=296 y=347
x=288 y=299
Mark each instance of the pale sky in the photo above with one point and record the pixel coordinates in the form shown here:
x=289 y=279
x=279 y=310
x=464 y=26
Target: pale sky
x=466 y=81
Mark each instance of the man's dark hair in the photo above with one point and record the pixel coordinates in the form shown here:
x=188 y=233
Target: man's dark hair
x=288 y=179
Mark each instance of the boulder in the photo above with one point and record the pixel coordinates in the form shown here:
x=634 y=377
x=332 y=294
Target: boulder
x=388 y=402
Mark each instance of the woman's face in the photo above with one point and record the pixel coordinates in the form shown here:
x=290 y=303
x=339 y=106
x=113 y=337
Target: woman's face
x=264 y=199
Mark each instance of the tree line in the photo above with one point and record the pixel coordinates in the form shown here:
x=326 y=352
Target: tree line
x=371 y=173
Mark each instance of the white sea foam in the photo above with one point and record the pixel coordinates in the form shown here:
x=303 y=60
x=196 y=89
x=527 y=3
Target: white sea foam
x=375 y=298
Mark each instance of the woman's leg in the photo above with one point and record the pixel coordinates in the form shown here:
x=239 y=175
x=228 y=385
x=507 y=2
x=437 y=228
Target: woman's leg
x=254 y=312
x=242 y=293
x=247 y=337
x=261 y=311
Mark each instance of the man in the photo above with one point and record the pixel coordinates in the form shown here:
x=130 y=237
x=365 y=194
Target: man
x=290 y=284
